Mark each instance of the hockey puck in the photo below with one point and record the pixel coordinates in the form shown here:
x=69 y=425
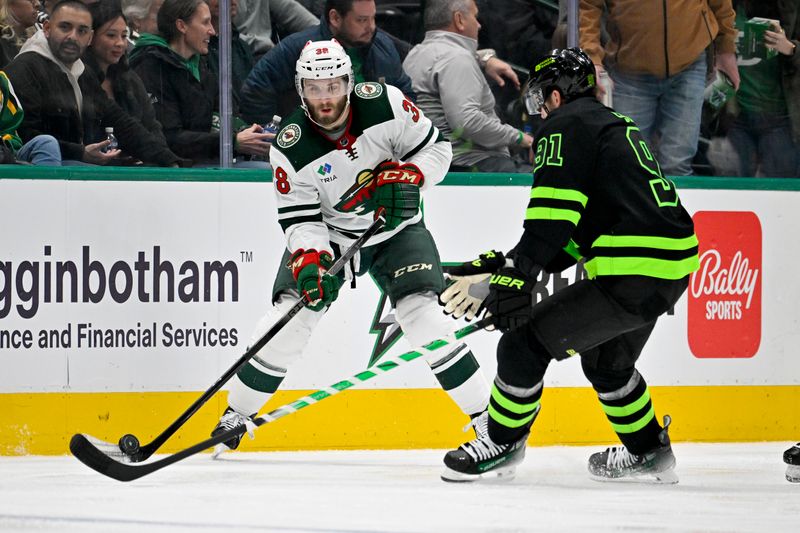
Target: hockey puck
x=129 y=444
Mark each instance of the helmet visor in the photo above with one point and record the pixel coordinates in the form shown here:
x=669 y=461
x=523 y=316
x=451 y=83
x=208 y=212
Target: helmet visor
x=325 y=88
x=533 y=98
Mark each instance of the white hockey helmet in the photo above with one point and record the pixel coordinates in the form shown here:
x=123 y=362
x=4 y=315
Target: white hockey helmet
x=321 y=60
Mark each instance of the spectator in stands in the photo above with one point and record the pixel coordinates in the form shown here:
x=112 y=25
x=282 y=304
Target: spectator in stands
x=765 y=129
x=107 y=60
x=17 y=20
x=184 y=91
x=657 y=62
x=256 y=20
x=142 y=16
x=41 y=150
x=241 y=54
x=270 y=90
x=452 y=91
x=59 y=100
x=518 y=30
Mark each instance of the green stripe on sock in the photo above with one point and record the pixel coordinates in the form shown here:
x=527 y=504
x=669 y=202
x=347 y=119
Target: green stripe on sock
x=633 y=427
x=630 y=409
x=458 y=373
x=509 y=422
x=509 y=405
x=257 y=380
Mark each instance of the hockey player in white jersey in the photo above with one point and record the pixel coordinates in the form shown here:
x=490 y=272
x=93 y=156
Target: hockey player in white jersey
x=348 y=151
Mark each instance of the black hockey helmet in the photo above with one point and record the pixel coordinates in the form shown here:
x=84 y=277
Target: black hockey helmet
x=569 y=70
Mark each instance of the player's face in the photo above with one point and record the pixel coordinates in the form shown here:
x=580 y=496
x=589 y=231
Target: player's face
x=110 y=41
x=325 y=99
x=198 y=30
x=551 y=103
x=357 y=27
x=68 y=33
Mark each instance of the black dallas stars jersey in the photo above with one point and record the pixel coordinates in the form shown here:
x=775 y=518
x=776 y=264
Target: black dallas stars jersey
x=324 y=188
x=598 y=193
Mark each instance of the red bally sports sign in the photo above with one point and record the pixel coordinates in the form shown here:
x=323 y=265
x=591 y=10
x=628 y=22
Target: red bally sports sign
x=725 y=293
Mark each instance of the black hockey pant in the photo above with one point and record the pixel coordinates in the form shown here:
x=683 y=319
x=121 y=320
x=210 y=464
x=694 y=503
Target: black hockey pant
x=605 y=321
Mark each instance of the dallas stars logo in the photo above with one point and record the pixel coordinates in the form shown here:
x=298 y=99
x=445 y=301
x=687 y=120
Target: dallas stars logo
x=385 y=326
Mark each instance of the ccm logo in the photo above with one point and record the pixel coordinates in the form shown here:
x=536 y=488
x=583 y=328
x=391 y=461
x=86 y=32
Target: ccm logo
x=412 y=268
x=399 y=175
x=507 y=281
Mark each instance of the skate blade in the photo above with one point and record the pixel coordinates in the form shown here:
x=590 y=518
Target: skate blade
x=500 y=475
x=793 y=473
x=219 y=449
x=667 y=477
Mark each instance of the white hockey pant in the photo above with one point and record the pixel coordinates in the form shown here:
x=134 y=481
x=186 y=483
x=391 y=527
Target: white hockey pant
x=273 y=360
x=456 y=369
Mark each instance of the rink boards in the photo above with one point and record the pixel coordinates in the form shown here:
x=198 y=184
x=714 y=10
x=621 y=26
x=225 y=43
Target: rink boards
x=121 y=298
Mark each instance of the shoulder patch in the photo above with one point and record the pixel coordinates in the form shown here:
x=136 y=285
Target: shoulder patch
x=369 y=90
x=289 y=136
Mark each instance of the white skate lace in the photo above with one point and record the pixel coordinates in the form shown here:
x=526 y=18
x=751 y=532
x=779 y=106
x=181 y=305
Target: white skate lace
x=483 y=448
x=233 y=419
x=481 y=425
x=620 y=457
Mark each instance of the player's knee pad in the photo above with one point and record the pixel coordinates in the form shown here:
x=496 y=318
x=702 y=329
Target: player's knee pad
x=290 y=341
x=521 y=358
x=422 y=320
x=606 y=378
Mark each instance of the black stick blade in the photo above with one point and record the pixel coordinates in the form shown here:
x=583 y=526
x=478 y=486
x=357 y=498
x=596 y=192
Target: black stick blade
x=90 y=455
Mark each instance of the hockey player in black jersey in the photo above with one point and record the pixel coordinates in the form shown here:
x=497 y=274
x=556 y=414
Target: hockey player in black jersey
x=598 y=195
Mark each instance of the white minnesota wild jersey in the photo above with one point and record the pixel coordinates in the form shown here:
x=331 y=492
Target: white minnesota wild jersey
x=324 y=188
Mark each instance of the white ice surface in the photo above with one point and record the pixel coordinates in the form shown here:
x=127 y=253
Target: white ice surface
x=723 y=488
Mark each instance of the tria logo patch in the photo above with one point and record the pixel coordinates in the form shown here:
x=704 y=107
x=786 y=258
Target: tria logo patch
x=324 y=169
x=725 y=293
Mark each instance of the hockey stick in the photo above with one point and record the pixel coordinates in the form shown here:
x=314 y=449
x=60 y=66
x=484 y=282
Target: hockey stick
x=128 y=448
x=89 y=454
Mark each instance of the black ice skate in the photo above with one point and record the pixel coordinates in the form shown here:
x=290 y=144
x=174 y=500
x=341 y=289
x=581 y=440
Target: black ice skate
x=481 y=457
x=792 y=459
x=618 y=464
x=229 y=420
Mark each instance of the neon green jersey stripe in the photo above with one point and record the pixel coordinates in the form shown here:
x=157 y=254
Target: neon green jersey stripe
x=635 y=426
x=626 y=410
x=559 y=194
x=641 y=241
x=509 y=422
x=641 y=266
x=517 y=408
x=548 y=213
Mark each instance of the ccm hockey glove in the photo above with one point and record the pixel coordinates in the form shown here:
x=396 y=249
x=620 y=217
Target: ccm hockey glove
x=310 y=270
x=397 y=192
x=470 y=284
x=510 y=299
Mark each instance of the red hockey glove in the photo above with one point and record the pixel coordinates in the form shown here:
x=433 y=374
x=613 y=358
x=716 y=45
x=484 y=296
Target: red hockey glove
x=397 y=192
x=310 y=270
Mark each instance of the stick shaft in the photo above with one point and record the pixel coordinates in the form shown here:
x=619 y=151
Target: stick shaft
x=148 y=449
x=95 y=459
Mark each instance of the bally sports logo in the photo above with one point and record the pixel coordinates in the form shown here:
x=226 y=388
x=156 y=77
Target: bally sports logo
x=725 y=293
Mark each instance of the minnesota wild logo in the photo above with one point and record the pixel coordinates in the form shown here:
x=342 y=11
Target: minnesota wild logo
x=358 y=198
x=369 y=90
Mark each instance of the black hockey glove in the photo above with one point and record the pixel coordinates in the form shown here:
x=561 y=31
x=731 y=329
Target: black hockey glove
x=470 y=284
x=397 y=192
x=510 y=299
